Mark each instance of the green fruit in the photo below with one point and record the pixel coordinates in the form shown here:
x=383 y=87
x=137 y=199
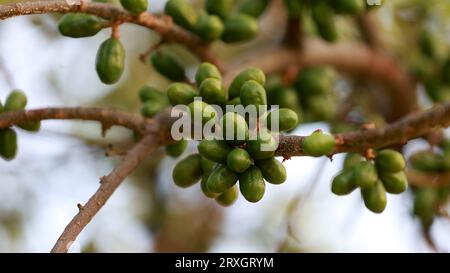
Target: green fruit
x=236 y=101
x=201 y=112
x=323 y=17
x=352 y=159
x=263 y=147
x=204 y=187
x=365 y=174
x=229 y=197
x=148 y=93
x=78 y=25
x=110 y=61
x=287 y=119
x=252 y=184
x=207 y=165
x=135 y=6
x=255 y=74
x=214 y=150
x=16 y=100
x=181 y=93
x=209 y=27
x=437 y=91
x=352 y=7
x=205 y=71
x=176 y=149
x=427 y=44
x=182 y=13
x=188 y=171
x=167 y=66
x=234 y=128
x=390 y=161
x=8 y=143
x=253 y=93
x=272 y=170
x=314 y=81
x=220 y=8
x=343 y=183
x=221 y=179
x=30 y=126
x=284 y=98
x=428 y=161
x=375 y=197
x=213 y=92
x=318 y=144
x=394 y=183
x=152 y=108
x=239 y=27
x=238 y=160
x=253 y=8
x=322 y=107
x=426 y=201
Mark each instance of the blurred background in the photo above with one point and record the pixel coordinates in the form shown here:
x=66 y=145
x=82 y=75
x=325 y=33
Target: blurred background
x=60 y=166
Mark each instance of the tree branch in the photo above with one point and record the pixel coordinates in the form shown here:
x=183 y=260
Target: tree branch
x=163 y=25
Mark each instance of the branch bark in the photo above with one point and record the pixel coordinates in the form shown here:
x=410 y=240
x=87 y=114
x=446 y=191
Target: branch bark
x=163 y=24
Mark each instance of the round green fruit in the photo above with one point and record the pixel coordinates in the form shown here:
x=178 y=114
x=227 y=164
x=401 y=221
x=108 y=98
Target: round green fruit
x=220 y=8
x=253 y=93
x=213 y=92
x=8 y=143
x=176 y=149
x=253 y=8
x=135 y=6
x=205 y=71
x=287 y=119
x=234 y=128
x=252 y=73
x=365 y=174
x=182 y=13
x=352 y=159
x=394 y=183
x=263 y=147
x=201 y=112
x=209 y=27
x=167 y=66
x=343 y=183
x=16 y=100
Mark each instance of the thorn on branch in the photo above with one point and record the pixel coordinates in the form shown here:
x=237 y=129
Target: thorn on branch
x=80 y=207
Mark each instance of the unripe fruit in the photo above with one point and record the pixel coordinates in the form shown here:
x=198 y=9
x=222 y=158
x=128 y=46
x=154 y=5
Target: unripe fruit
x=234 y=128
x=343 y=183
x=202 y=111
x=253 y=8
x=314 y=81
x=209 y=27
x=182 y=13
x=220 y=8
x=352 y=159
x=181 y=93
x=176 y=149
x=236 y=101
x=30 y=126
x=221 y=179
x=8 y=143
x=148 y=93
x=16 y=100
x=427 y=161
x=239 y=27
x=135 y=6
x=318 y=144
x=263 y=147
x=188 y=171
x=322 y=107
x=214 y=150
x=375 y=197
x=255 y=74
x=252 y=185
x=365 y=174
x=238 y=160
x=229 y=197
x=213 y=92
x=273 y=171
x=204 y=187
x=152 y=108
x=205 y=71
x=110 y=61
x=352 y=7
x=284 y=98
x=323 y=17
x=78 y=25
x=394 y=183
x=207 y=165
x=390 y=161
x=253 y=93
x=287 y=119
x=167 y=66
x=426 y=201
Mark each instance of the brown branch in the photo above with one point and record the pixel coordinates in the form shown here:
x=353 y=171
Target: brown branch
x=412 y=126
x=350 y=58
x=368 y=28
x=422 y=179
x=107 y=117
x=163 y=25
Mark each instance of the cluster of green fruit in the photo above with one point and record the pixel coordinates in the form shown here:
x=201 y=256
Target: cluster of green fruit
x=16 y=100
x=220 y=19
x=374 y=178
x=323 y=12
x=311 y=94
x=427 y=202
x=432 y=161
x=110 y=60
